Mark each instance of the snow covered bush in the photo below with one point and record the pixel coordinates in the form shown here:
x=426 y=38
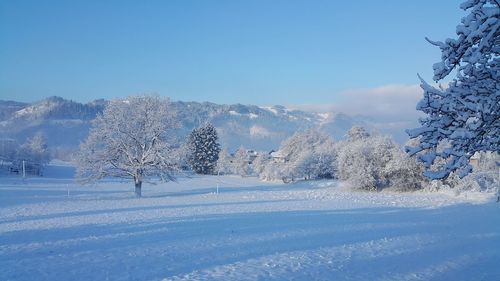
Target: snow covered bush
x=306 y=155
x=404 y=173
x=360 y=163
x=129 y=140
x=375 y=162
x=203 y=149
x=319 y=163
x=467 y=112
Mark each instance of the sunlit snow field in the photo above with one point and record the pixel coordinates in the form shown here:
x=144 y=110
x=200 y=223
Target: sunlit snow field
x=54 y=229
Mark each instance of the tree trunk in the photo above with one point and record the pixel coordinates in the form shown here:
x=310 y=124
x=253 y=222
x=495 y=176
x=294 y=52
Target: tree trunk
x=138 y=185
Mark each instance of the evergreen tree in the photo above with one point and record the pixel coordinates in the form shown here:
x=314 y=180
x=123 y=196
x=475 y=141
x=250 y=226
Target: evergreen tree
x=203 y=149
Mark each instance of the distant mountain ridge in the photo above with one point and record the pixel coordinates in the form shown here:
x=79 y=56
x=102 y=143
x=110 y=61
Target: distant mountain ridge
x=66 y=123
x=55 y=108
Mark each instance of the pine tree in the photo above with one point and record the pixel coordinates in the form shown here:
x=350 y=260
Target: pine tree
x=203 y=149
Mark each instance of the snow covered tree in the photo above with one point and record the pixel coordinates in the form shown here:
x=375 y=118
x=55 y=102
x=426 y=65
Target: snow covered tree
x=357 y=133
x=203 y=149
x=375 y=162
x=403 y=173
x=305 y=166
x=129 y=140
x=467 y=112
x=292 y=147
x=225 y=163
x=35 y=155
x=361 y=162
x=240 y=162
x=307 y=155
x=326 y=161
x=259 y=163
x=272 y=171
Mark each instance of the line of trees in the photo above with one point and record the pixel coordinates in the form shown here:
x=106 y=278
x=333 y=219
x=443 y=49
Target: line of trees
x=367 y=162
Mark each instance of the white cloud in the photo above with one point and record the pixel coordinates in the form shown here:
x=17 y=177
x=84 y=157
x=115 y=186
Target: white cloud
x=391 y=102
x=388 y=109
x=313 y=107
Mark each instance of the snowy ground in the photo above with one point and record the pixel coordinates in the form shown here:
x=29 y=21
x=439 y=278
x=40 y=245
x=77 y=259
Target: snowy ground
x=54 y=229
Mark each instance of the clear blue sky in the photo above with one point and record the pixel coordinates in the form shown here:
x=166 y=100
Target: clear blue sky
x=252 y=52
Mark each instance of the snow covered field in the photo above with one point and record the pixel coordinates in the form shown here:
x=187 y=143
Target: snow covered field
x=54 y=229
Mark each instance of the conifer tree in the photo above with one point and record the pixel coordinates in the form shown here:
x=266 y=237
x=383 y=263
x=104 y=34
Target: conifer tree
x=203 y=149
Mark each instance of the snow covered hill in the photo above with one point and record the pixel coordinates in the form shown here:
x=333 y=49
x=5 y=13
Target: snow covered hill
x=63 y=122
x=66 y=123
x=54 y=229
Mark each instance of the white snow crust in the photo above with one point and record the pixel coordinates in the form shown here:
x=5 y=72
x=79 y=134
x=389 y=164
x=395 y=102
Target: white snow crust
x=54 y=229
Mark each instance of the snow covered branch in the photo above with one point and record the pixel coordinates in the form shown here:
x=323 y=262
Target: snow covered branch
x=466 y=114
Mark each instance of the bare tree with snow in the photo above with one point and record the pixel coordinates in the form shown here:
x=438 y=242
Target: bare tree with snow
x=467 y=112
x=129 y=140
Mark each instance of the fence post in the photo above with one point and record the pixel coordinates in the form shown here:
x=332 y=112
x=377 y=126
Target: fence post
x=218 y=179
x=498 y=183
